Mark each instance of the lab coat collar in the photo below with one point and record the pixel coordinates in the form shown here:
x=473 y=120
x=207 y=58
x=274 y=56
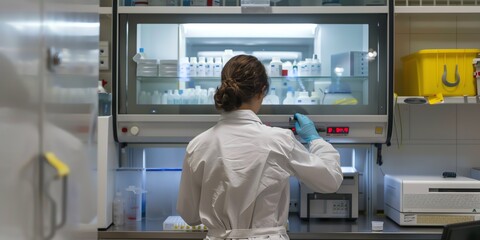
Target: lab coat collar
x=240 y=115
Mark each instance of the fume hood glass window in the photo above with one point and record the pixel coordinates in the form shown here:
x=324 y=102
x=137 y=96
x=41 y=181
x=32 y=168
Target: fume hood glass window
x=308 y=64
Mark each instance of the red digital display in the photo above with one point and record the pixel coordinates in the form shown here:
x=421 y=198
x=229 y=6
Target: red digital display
x=338 y=130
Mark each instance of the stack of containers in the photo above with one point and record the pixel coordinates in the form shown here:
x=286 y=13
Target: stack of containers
x=145 y=67
x=168 y=68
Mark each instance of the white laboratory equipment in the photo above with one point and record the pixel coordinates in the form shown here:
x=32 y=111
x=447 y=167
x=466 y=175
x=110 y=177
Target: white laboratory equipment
x=415 y=200
x=341 y=204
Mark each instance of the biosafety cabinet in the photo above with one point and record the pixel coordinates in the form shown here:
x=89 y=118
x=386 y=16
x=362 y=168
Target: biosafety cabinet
x=332 y=63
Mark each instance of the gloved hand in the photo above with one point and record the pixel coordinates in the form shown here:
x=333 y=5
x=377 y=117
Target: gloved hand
x=305 y=128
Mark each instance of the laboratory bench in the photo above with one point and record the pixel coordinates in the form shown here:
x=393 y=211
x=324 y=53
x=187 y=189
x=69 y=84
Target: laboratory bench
x=298 y=229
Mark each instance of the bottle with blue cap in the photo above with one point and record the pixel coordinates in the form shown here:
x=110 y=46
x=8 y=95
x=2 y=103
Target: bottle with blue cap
x=139 y=55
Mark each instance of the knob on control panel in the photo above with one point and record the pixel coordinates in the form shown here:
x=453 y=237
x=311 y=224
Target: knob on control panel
x=134 y=130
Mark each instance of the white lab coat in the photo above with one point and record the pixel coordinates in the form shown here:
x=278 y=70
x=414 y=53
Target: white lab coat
x=235 y=177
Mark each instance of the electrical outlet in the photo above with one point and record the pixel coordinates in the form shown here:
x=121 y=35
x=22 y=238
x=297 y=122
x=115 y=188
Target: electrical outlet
x=293 y=207
x=104 y=64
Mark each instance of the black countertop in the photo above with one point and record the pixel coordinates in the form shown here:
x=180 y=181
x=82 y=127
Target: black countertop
x=298 y=229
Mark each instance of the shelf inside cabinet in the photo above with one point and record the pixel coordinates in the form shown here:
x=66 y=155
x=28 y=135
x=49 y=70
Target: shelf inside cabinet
x=447 y=100
x=437 y=9
x=175 y=79
x=288 y=78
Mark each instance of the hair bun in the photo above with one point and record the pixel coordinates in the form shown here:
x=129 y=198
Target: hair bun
x=230 y=84
x=243 y=77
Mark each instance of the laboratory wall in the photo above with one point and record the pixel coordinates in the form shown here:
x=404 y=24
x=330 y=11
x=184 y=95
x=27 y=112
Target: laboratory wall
x=431 y=139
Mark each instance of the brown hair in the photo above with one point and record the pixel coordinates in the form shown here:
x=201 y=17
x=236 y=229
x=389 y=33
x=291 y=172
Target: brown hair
x=243 y=77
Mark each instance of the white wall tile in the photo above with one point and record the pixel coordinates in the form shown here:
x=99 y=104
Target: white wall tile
x=469 y=122
x=468 y=157
x=469 y=40
x=401 y=127
x=432 y=41
x=402 y=23
x=402 y=48
x=468 y=23
x=433 y=23
x=419 y=159
x=435 y=122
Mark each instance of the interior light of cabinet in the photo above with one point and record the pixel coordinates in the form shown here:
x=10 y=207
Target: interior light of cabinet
x=250 y=30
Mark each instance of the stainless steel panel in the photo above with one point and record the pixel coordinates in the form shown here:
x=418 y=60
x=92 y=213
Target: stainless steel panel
x=34 y=118
x=20 y=59
x=71 y=41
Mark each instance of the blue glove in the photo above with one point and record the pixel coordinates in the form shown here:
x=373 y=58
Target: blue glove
x=305 y=128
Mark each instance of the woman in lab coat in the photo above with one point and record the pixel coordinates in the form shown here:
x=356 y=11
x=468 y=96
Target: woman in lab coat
x=235 y=177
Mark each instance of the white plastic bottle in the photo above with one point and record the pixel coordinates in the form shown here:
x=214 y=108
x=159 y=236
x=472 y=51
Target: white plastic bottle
x=217 y=67
x=294 y=69
x=227 y=55
x=176 y=97
x=276 y=67
x=302 y=68
x=118 y=209
x=303 y=99
x=184 y=96
x=203 y=96
x=156 y=98
x=315 y=98
x=149 y=98
x=289 y=100
x=289 y=67
x=165 y=97
x=170 y=97
x=201 y=67
x=197 y=95
x=187 y=95
x=316 y=67
x=271 y=98
x=139 y=55
x=142 y=99
x=210 y=94
x=209 y=67
x=184 y=66
x=309 y=63
x=193 y=67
